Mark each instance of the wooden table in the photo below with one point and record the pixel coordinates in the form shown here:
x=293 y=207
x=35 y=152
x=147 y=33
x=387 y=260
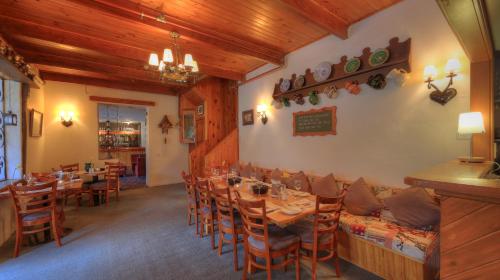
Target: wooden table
x=277 y=216
x=470 y=218
x=61 y=187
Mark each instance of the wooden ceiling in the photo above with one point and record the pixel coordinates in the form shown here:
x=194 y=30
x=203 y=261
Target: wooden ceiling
x=107 y=42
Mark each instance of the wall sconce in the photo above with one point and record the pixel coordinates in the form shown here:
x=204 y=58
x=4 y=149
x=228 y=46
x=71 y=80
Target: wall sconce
x=10 y=118
x=261 y=111
x=430 y=72
x=66 y=118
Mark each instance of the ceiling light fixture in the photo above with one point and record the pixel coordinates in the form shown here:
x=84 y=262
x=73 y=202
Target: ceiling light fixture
x=171 y=68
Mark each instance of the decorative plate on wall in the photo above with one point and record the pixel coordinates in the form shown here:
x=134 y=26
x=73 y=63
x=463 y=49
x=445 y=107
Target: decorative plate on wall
x=379 y=56
x=299 y=82
x=352 y=65
x=322 y=71
x=285 y=85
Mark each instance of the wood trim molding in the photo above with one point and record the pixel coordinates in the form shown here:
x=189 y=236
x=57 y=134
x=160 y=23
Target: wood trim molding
x=121 y=101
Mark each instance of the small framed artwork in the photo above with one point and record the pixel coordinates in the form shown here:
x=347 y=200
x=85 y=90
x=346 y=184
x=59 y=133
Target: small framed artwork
x=247 y=117
x=36 y=123
x=200 y=110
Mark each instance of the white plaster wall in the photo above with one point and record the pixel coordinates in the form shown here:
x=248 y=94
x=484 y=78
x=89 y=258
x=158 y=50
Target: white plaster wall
x=35 y=145
x=78 y=143
x=13 y=143
x=382 y=135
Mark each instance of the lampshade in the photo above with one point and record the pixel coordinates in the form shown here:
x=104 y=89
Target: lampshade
x=430 y=72
x=167 y=56
x=469 y=123
x=452 y=66
x=188 y=60
x=261 y=108
x=195 y=66
x=153 y=59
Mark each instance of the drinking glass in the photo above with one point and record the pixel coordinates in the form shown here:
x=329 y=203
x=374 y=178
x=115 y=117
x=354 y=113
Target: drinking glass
x=28 y=177
x=71 y=176
x=297 y=184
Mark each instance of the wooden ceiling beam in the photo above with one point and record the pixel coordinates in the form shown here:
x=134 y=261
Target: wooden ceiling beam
x=108 y=47
x=140 y=14
x=115 y=84
x=318 y=14
x=91 y=66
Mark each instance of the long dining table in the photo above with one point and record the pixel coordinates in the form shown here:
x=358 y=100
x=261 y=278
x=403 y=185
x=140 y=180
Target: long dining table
x=276 y=208
x=62 y=186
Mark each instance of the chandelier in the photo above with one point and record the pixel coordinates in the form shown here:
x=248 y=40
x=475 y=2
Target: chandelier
x=171 y=68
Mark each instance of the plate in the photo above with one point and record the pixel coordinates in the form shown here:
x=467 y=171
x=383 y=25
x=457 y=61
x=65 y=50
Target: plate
x=285 y=85
x=379 y=56
x=299 y=82
x=352 y=65
x=322 y=71
x=291 y=210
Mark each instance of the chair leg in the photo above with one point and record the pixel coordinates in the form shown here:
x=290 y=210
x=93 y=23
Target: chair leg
x=246 y=261
x=107 y=198
x=235 y=251
x=219 y=246
x=196 y=220
x=54 y=225
x=285 y=268
x=212 y=234
x=189 y=215
x=19 y=240
x=297 y=264
x=268 y=266
x=337 y=265
x=314 y=263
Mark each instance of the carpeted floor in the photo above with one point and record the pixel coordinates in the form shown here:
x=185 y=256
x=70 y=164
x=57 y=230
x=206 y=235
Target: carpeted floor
x=143 y=236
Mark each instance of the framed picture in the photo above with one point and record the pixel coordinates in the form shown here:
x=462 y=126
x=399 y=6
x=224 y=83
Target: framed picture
x=188 y=127
x=36 y=123
x=247 y=117
x=200 y=110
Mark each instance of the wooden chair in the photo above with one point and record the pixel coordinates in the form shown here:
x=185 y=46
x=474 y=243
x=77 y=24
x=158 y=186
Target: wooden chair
x=112 y=184
x=123 y=167
x=36 y=211
x=207 y=210
x=77 y=194
x=321 y=234
x=192 y=201
x=264 y=241
x=229 y=222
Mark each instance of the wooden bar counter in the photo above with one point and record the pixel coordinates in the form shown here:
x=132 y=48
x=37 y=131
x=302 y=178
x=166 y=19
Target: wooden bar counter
x=470 y=218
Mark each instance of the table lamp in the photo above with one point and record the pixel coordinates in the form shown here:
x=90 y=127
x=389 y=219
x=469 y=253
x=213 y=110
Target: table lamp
x=468 y=124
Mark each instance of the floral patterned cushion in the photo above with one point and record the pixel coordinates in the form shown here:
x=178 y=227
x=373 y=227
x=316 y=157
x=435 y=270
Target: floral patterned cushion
x=415 y=243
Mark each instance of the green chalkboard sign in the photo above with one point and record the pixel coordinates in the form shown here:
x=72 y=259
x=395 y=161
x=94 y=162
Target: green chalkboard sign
x=315 y=122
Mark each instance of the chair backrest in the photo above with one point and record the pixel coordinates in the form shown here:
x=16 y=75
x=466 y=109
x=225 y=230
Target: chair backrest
x=113 y=175
x=225 y=210
x=189 y=184
x=43 y=176
x=327 y=216
x=70 y=167
x=253 y=216
x=29 y=199
x=205 y=199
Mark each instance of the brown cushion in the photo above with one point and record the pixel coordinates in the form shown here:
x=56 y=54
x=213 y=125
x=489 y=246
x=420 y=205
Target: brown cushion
x=304 y=181
x=246 y=170
x=360 y=199
x=326 y=186
x=276 y=174
x=414 y=207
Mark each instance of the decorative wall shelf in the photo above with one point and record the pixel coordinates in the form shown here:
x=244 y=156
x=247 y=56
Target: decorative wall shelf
x=399 y=58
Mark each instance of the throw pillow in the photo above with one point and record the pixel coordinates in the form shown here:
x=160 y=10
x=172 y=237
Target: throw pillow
x=414 y=207
x=326 y=186
x=302 y=178
x=360 y=200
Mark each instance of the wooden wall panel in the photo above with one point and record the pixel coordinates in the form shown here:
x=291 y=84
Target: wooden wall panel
x=220 y=98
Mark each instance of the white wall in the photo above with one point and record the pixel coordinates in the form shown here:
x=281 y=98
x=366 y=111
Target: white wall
x=13 y=142
x=78 y=143
x=382 y=135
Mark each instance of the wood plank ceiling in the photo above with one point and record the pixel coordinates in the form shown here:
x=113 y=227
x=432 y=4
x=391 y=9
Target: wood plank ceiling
x=107 y=42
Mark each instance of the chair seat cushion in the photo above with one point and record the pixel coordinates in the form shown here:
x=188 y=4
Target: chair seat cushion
x=205 y=210
x=101 y=186
x=305 y=229
x=278 y=239
x=36 y=216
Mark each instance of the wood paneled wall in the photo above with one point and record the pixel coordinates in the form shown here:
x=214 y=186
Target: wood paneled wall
x=219 y=124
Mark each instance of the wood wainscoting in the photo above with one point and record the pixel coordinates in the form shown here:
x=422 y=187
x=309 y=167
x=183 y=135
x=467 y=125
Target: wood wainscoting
x=384 y=262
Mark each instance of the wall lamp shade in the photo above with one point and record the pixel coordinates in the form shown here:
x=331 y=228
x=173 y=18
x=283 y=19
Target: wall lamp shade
x=452 y=66
x=195 y=66
x=430 y=72
x=470 y=123
x=262 y=111
x=153 y=59
x=188 y=60
x=66 y=118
